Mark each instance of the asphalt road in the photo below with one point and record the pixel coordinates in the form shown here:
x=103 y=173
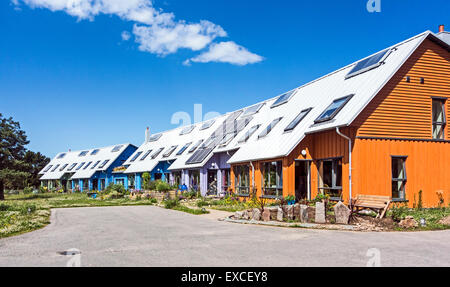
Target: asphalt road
x=152 y=236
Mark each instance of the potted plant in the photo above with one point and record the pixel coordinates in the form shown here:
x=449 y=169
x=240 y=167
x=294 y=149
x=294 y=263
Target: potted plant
x=290 y=199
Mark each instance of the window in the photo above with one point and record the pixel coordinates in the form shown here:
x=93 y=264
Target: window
x=95 y=165
x=61 y=155
x=155 y=138
x=272 y=178
x=297 y=120
x=55 y=168
x=48 y=168
x=333 y=109
x=155 y=155
x=95 y=151
x=249 y=133
x=83 y=153
x=330 y=177
x=80 y=166
x=283 y=99
x=86 y=166
x=207 y=125
x=63 y=167
x=269 y=128
x=368 y=64
x=182 y=150
x=439 y=120
x=194 y=148
x=117 y=148
x=252 y=110
x=146 y=154
x=104 y=164
x=170 y=151
x=72 y=166
x=242 y=180
x=226 y=140
x=187 y=130
x=120 y=181
x=136 y=156
x=398 y=178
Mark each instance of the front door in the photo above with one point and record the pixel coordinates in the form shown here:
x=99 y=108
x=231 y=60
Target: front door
x=302 y=182
x=212 y=182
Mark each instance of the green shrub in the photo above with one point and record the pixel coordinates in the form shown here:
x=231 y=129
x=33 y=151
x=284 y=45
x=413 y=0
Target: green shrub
x=162 y=186
x=146 y=180
x=171 y=203
x=117 y=188
x=27 y=190
x=152 y=185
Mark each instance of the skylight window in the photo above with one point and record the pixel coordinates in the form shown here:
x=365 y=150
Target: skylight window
x=146 y=154
x=187 y=130
x=155 y=155
x=117 y=148
x=183 y=149
x=194 y=148
x=269 y=128
x=333 y=109
x=104 y=164
x=226 y=140
x=55 y=168
x=252 y=110
x=136 y=156
x=207 y=125
x=48 y=168
x=297 y=120
x=72 y=166
x=249 y=133
x=369 y=64
x=155 y=138
x=95 y=164
x=95 y=151
x=63 y=167
x=170 y=151
x=61 y=156
x=86 y=166
x=83 y=153
x=283 y=99
x=80 y=166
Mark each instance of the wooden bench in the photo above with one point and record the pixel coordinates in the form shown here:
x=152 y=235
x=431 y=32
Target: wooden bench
x=377 y=203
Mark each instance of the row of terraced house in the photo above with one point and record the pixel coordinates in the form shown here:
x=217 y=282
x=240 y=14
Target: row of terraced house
x=377 y=126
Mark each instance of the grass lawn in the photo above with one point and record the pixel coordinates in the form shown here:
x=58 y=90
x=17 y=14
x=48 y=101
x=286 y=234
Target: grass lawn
x=24 y=213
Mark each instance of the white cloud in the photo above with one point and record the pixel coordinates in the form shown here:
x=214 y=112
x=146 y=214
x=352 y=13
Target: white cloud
x=155 y=31
x=163 y=40
x=125 y=35
x=226 y=52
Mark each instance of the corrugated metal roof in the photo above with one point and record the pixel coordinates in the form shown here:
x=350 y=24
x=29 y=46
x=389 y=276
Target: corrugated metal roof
x=104 y=153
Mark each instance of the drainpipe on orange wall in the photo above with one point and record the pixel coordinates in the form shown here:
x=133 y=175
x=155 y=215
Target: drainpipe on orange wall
x=349 y=163
x=253 y=176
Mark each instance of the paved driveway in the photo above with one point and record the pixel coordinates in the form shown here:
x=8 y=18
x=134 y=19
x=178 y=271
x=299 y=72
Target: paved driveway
x=152 y=236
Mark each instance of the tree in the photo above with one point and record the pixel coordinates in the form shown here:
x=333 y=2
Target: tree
x=12 y=151
x=35 y=163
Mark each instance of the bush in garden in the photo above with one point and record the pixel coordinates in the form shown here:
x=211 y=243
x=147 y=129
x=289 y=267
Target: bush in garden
x=27 y=190
x=162 y=186
x=146 y=181
x=171 y=203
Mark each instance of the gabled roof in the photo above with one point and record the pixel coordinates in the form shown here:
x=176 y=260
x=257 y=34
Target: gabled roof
x=73 y=157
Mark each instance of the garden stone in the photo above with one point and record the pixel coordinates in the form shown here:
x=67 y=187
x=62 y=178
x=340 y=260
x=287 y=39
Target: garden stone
x=320 y=213
x=266 y=215
x=408 y=222
x=238 y=215
x=445 y=221
x=290 y=212
x=279 y=214
x=296 y=211
x=273 y=212
x=303 y=213
x=310 y=213
x=256 y=215
x=342 y=213
x=245 y=215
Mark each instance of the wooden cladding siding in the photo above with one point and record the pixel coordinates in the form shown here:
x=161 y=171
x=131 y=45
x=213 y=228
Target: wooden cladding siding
x=427 y=168
x=402 y=109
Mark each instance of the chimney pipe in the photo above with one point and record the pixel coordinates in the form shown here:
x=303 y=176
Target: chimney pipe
x=441 y=28
x=147 y=135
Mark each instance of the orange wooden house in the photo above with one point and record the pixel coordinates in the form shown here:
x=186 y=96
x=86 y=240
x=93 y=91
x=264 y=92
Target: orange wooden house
x=377 y=126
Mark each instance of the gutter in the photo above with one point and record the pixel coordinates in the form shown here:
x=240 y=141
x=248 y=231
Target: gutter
x=349 y=163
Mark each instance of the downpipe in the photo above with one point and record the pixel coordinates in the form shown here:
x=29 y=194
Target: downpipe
x=349 y=164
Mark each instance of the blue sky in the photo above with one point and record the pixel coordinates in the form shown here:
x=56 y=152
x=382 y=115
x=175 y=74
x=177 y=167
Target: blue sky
x=73 y=82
